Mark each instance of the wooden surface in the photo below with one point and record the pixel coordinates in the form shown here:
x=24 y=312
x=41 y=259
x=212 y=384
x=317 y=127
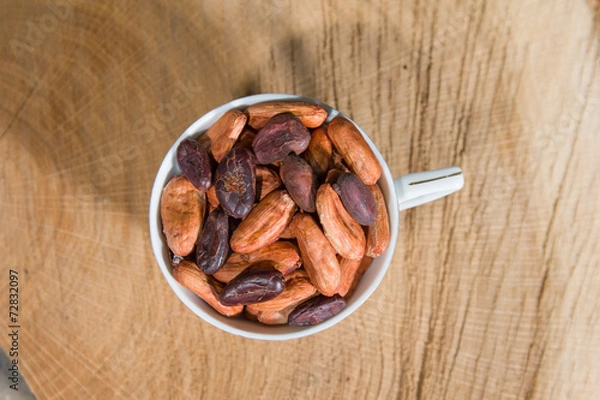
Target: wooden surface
x=494 y=293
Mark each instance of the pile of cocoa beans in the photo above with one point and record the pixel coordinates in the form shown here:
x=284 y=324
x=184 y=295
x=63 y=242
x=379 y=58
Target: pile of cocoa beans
x=276 y=216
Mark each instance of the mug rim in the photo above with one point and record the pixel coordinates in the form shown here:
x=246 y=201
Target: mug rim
x=238 y=326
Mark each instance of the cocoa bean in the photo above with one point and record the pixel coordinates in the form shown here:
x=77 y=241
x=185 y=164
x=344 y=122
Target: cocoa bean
x=281 y=135
x=378 y=234
x=355 y=150
x=182 y=209
x=357 y=198
x=246 y=139
x=194 y=162
x=267 y=180
x=190 y=277
x=265 y=223
x=235 y=182
x=300 y=181
x=296 y=291
x=285 y=257
x=316 y=310
x=344 y=233
x=318 y=153
x=212 y=248
x=221 y=137
x=318 y=256
x=311 y=115
x=259 y=282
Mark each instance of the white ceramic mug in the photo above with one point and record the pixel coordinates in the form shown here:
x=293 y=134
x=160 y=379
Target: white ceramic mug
x=402 y=193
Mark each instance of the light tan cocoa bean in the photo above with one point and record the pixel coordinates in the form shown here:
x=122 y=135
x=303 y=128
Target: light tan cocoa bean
x=349 y=270
x=318 y=153
x=284 y=256
x=267 y=180
x=354 y=149
x=318 y=256
x=246 y=138
x=378 y=234
x=192 y=278
x=311 y=115
x=362 y=268
x=221 y=137
x=297 y=273
x=288 y=233
x=344 y=233
x=265 y=223
x=279 y=317
x=182 y=210
x=234 y=266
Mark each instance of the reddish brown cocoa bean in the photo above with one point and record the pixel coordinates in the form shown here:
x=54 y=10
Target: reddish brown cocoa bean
x=265 y=222
x=318 y=153
x=182 y=208
x=341 y=229
x=246 y=139
x=267 y=180
x=378 y=234
x=362 y=268
x=190 y=277
x=318 y=255
x=311 y=115
x=355 y=150
x=221 y=137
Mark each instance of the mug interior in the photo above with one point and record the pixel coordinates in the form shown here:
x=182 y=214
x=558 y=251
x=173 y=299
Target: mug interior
x=239 y=325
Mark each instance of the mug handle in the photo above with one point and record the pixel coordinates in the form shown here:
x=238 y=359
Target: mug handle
x=423 y=187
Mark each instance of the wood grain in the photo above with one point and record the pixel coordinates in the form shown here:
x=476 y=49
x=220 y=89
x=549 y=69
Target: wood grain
x=493 y=292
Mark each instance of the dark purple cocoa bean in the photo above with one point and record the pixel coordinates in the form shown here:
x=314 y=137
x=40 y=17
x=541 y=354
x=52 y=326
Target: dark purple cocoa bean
x=300 y=181
x=194 y=162
x=357 y=198
x=235 y=182
x=281 y=135
x=212 y=248
x=316 y=310
x=257 y=283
